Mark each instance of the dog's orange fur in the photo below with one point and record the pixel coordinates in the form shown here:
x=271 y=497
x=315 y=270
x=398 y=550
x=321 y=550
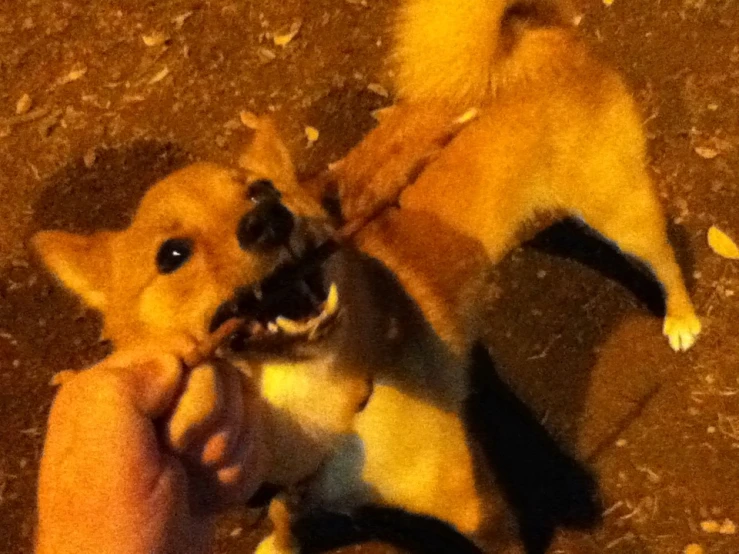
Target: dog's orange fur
x=557 y=131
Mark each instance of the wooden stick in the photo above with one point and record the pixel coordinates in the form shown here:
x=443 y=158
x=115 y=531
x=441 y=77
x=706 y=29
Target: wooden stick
x=284 y=276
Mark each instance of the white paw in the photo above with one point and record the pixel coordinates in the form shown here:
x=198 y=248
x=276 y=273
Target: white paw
x=682 y=331
x=272 y=545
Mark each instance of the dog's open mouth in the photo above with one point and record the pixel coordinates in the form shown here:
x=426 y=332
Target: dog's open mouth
x=283 y=309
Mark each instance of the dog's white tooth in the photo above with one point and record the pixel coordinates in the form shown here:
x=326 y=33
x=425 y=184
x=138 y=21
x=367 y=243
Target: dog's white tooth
x=332 y=301
x=289 y=326
x=258 y=292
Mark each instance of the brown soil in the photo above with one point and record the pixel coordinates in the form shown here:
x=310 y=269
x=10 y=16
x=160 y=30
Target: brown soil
x=576 y=334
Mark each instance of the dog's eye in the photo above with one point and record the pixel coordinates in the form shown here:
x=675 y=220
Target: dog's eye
x=261 y=190
x=173 y=254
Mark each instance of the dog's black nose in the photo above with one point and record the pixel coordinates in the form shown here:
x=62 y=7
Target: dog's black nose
x=268 y=225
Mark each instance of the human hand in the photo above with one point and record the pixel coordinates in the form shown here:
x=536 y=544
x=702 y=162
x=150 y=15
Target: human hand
x=125 y=472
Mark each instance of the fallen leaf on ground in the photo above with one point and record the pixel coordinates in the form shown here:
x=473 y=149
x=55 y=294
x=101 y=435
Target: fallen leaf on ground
x=159 y=76
x=378 y=89
x=722 y=244
x=75 y=74
x=311 y=133
x=249 y=119
x=89 y=158
x=61 y=377
x=283 y=38
x=728 y=527
x=710 y=526
x=179 y=20
x=266 y=55
x=693 y=549
x=24 y=104
x=706 y=152
x=156 y=38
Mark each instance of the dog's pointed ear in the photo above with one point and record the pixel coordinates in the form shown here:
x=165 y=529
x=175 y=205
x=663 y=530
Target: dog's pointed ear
x=266 y=155
x=82 y=262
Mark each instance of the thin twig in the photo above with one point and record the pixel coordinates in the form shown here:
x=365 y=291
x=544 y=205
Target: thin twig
x=624 y=424
x=281 y=279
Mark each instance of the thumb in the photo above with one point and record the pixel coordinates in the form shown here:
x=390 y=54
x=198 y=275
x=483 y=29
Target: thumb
x=152 y=381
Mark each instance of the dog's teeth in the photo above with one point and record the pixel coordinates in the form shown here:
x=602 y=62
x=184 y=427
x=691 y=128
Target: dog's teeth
x=291 y=327
x=332 y=301
x=257 y=290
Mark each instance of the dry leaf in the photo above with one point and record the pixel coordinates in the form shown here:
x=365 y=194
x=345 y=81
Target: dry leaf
x=61 y=377
x=179 y=20
x=710 y=526
x=283 y=38
x=722 y=244
x=266 y=55
x=693 y=549
x=24 y=104
x=89 y=158
x=159 y=76
x=77 y=73
x=378 y=89
x=249 y=119
x=157 y=38
x=728 y=527
x=311 y=133
x=706 y=152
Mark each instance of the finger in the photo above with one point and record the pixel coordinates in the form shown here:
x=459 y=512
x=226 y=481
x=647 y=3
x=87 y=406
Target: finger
x=197 y=408
x=152 y=380
x=247 y=466
x=223 y=439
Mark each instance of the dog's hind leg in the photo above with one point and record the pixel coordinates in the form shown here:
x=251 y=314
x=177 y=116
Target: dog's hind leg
x=281 y=539
x=636 y=224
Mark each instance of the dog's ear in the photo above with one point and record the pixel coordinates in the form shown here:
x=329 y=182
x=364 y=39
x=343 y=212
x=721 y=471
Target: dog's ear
x=82 y=262
x=266 y=155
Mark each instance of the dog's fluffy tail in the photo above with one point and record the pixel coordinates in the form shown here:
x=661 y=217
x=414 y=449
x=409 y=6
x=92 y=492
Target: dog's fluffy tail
x=449 y=50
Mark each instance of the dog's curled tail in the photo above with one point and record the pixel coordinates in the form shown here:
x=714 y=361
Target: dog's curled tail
x=449 y=50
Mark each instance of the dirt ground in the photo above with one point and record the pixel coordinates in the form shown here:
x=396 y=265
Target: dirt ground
x=577 y=333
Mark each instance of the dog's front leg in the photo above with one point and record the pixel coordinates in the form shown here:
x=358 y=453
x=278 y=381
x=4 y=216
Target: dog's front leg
x=281 y=540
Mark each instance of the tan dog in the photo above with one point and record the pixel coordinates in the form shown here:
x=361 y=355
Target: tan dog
x=365 y=383
x=363 y=362
x=558 y=133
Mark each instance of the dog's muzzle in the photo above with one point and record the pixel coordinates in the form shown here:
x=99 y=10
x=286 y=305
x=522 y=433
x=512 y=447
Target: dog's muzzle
x=268 y=225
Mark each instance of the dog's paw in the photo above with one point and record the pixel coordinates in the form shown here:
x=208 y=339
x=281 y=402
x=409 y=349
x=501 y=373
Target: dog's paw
x=682 y=332
x=274 y=545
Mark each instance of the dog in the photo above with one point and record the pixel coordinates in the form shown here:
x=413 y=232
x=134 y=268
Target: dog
x=363 y=360
x=558 y=134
